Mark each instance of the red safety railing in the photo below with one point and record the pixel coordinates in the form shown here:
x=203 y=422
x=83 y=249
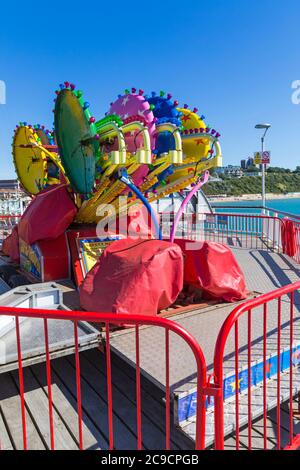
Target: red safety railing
x=268 y=336
x=7 y=223
x=274 y=346
x=250 y=231
x=273 y=342
x=107 y=321
x=287 y=233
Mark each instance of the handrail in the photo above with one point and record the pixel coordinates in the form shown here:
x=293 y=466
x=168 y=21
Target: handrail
x=230 y=324
x=235 y=214
x=107 y=319
x=269 y=209
x=235 y=207
x=170 y=326
x=120 y=319
x=287 y=214
x=239 y=310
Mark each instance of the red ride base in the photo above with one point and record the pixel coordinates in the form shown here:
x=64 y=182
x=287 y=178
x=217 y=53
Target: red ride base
x=46 y=260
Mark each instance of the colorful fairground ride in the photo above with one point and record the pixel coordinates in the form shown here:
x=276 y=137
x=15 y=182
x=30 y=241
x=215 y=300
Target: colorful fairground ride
x=145 y=149
x=161 y=147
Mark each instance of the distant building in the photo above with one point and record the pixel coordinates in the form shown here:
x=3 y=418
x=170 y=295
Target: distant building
x=246 y=163
x=230 y=170
x=253 y=173
x=235 y=171
x=9 y=185
x=13 y=200
x=219 y=171
x=250 y=162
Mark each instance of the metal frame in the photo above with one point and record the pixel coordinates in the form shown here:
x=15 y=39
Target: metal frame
x=109 y=320
x=232 y=324
x=249 y=231
x=206 y=387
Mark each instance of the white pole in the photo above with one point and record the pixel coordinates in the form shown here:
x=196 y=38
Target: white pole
x=266 y=127
x=263 y=180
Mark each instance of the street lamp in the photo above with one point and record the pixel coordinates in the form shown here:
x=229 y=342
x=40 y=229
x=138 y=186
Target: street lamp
x=264 y=127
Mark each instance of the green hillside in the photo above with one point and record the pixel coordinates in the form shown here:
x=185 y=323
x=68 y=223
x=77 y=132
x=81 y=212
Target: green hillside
x=279 y=183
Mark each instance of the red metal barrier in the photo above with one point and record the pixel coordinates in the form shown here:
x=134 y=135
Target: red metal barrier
x=277 y=308
x=109 y=320
x=277 y=214
x=283 y=334
x=243 y=230
x=250 y=231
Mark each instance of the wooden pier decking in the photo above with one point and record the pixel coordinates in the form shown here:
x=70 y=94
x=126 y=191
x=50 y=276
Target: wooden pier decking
x=94 y=405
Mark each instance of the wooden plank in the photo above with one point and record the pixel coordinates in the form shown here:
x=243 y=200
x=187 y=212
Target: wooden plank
x=40 y=359
x=124 y=371
x=152 y=401
x=5 y=442
x=123 y=378
x=152 y=436
x=66 y=406
x=10 y=406
x=37 y=403
x=94 y=406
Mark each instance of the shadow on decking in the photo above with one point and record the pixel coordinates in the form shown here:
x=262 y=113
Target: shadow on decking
x=94 y=407
x=280 y=275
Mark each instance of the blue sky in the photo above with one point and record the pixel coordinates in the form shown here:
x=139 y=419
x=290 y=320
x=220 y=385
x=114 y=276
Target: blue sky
x=233 y=59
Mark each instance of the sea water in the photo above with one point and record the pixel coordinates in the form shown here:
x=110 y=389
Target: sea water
x=290 y=205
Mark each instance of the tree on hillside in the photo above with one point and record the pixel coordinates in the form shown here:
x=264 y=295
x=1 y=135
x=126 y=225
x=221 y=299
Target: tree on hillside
x=282 y=187
x=277 y=169
x=275 y=182
x=252 y=169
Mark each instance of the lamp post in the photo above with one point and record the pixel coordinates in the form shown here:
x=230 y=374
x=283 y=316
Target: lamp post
x=265 y=127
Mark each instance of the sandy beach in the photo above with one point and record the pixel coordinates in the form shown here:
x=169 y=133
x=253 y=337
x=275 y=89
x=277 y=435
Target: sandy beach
x=252 y=197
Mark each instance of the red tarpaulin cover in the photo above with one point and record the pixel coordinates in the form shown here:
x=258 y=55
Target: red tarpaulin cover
x=213 y=268
x=14 y=252
x=48 y=216
x=6 y=245
x=10 y=245
x=134 y=277
x=288 y=237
